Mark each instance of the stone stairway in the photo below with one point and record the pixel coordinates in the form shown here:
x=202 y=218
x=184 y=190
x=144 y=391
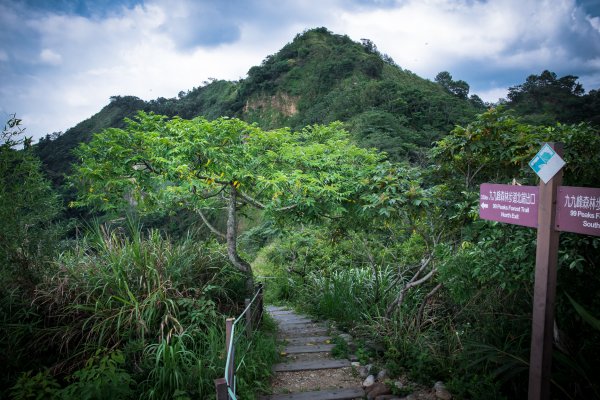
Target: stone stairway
x=309 y=371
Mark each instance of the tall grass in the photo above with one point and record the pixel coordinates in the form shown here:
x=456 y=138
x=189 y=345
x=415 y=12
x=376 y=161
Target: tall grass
x=159 y=304
x=357 y=299
x=348 y=296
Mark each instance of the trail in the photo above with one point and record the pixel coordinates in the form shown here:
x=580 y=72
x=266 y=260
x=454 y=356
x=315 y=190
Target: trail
x=309 y=371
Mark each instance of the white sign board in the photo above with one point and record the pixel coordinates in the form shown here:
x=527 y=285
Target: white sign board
x=546 y=163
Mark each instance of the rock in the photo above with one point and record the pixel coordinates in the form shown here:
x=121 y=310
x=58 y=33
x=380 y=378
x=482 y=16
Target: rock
x=377 y=389
x=387 y=397
x=352 y=357
x=410 y=397
x=347 y=338
x=355 y=364
x=381 y=375
x=441 y=392
x=399 y=384
x=363 y=372
x=369 y=381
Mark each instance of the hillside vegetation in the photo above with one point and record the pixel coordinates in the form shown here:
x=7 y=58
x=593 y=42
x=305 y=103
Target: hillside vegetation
x=350 y=183
x=319 y=77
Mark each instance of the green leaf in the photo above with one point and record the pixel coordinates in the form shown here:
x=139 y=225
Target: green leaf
x=587 y=317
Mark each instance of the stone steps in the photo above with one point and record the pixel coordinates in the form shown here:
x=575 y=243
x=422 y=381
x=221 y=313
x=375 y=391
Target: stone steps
x=309 y=341
x=330 y=394
x=309 y=348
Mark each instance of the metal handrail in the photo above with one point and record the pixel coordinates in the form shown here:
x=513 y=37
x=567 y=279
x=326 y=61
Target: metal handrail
x=226 y=386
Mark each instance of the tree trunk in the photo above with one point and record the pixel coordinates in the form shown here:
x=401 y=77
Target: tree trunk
x=231 y=237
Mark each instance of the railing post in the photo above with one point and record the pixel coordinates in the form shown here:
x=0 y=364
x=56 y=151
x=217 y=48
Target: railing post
x=221 y=388
x=248 y=318
x=229 y=372
x=259 y=303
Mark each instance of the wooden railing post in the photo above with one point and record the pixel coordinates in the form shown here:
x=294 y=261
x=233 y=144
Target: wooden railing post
x=221 y=388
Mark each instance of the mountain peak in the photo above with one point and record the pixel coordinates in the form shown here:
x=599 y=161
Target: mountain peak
x=318 y=77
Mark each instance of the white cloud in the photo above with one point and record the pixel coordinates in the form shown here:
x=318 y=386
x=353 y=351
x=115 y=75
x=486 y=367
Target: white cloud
x=434 y=35
x=49 y=56
x=493 y=95
x=594 y=22
x=140 y=51
x=430 y=36
x=124 y=55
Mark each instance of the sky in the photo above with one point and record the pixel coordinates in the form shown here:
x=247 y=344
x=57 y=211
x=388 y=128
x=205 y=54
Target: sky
x=62 y=60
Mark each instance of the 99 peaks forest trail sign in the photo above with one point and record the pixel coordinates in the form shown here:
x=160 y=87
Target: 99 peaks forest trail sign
x=550 y=208
x=508 y=203
x=578 y=210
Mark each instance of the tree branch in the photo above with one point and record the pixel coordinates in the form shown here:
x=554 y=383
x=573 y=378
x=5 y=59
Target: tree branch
x=252 y=201
x=412 y=283
x=249 y=200
x=211 y=195
x=425 y=300
x=209 y=225
x=234 y=257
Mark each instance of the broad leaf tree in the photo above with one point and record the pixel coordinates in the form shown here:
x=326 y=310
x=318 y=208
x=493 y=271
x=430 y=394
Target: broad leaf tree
x=157 y=164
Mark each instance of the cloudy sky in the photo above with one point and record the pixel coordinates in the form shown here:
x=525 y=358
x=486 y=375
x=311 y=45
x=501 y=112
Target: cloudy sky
x=61 y=60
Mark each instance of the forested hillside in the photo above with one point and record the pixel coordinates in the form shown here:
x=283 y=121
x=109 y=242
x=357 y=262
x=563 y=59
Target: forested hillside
x=347 y=185
x=319 y=77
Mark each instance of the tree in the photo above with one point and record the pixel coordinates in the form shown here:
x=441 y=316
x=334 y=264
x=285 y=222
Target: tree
x=497 y=146
x=546 y=99
x=397 y=194
x=28 y=207
x=159 y=164
x=458 y=88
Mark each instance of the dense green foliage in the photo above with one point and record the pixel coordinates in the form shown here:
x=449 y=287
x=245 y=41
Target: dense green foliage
x=127 y=315
x=158 y=165
x=387 y=244
x=28 y=207
x=29 y=237
x=117 y=313
x=545 y=99
x=447 y=295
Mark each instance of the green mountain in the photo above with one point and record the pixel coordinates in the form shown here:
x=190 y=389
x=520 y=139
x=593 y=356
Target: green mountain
x=317 y=78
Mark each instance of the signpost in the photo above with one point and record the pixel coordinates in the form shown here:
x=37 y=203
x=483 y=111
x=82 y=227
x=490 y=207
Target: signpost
x=550 y=208
x=544 y=291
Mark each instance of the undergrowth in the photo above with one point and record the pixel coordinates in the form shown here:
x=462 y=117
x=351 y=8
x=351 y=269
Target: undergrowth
x=130 y=314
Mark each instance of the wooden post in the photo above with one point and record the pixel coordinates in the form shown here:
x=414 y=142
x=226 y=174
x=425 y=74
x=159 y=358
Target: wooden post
x=248 y=318
x=228 y=328
x=221 y=388
x=544 y=294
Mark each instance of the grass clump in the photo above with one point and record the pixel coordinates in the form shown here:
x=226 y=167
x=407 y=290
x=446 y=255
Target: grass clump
x=129 y=314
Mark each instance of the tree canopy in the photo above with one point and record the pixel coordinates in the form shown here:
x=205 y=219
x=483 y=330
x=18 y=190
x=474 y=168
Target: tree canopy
x=161 y=164
x=546 y=99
